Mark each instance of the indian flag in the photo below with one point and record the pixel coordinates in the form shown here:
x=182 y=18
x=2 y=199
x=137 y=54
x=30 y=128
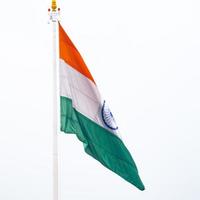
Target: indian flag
x=85 y=114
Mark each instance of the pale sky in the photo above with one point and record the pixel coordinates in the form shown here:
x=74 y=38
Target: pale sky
x=144 y=56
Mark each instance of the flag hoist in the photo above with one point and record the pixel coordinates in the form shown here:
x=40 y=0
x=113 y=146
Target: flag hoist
x=83 y=112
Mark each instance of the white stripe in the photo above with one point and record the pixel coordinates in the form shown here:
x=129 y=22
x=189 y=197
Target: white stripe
x=84 y=93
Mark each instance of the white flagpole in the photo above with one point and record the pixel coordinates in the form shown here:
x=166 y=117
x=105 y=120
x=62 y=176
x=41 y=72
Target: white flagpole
x=55 y=116
x=53 y=12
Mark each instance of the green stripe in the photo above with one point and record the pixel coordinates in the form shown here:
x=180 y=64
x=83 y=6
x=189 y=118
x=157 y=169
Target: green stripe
x=98 y=142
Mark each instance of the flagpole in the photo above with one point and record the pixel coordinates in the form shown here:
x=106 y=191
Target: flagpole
x=53 y=13
x=55 y=120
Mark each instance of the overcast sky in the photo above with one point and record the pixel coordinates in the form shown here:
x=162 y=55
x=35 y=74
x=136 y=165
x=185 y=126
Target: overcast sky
x=145 y=58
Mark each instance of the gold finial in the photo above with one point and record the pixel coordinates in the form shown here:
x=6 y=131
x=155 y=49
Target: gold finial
x=54 y=5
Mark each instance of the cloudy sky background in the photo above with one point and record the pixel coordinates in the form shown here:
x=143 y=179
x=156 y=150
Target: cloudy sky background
x=144 y=56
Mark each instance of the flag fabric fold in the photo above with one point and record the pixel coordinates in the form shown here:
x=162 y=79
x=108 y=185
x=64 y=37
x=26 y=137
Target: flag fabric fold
x=85 y=114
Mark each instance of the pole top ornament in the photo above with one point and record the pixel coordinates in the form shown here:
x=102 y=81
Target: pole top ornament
x=54 y=5
x=54 y=12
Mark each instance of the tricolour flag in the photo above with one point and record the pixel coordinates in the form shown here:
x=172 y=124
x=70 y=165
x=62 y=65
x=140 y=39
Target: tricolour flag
x=85 y=114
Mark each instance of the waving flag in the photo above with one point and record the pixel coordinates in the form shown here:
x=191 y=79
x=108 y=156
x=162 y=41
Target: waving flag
x=85 y=114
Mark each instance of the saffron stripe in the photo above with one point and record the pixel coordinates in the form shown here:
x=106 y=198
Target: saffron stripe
x=70 y=54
